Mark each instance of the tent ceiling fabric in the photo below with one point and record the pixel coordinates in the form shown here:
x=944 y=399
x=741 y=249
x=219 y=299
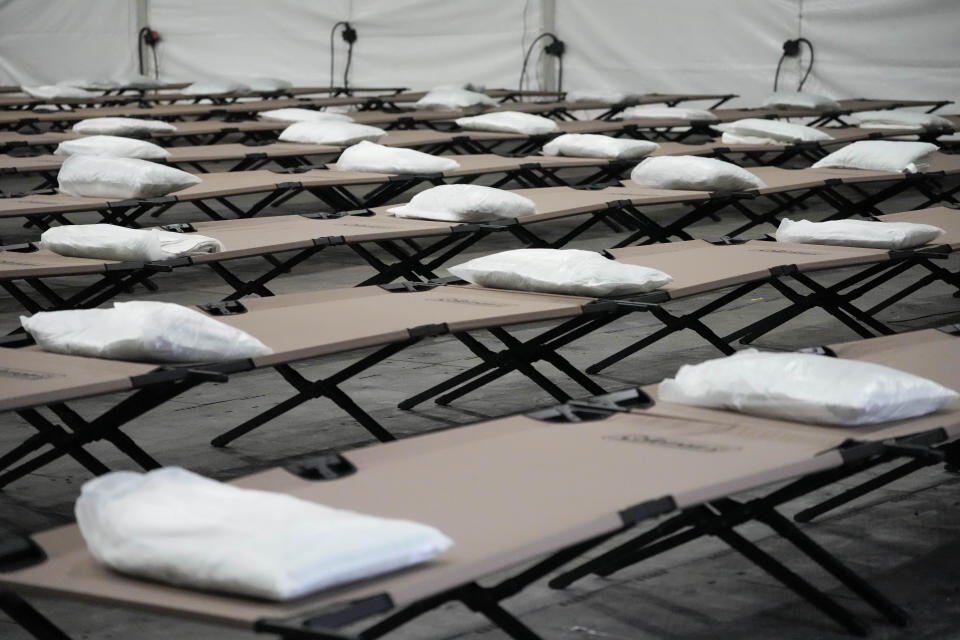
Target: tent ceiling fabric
x=886 y=48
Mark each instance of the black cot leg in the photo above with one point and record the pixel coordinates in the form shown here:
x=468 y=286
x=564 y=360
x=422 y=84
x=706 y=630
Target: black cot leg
x=29 y=619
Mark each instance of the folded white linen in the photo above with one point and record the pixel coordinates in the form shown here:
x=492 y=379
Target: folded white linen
x=112 y=242
x=376 y=158
x=806 y=388
x=178 y=527
x=142 y=331
x=858 y=233
x=112 y=147
x=590 y=145
x=571 y=272
x=465 y=203
x=102 y=177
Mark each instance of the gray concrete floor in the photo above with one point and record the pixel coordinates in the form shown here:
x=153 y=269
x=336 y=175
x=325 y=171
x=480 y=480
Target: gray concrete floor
x=903 y=538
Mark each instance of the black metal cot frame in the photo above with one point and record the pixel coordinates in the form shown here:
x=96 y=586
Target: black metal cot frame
x=803 y=292
x=718 y=518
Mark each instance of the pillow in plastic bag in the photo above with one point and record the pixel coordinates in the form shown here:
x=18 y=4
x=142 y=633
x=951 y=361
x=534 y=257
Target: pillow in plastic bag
x=113 y=147
x=898 y=119
x=178 y=527
x=805 y=388
x=215 y=88
x=692 y=172
x=858 y=233
x=142 y=331
x=760 y=130
x=330 y=132
x=880 y=155
x=376 y=158
x=295 y=114
x=572 y=272
x=801 y=99
x=678 y=113
x=122 y=178
x=118 y=126
x=453 y=98
x=465 y=203
x=509 y=122
x=589 y=145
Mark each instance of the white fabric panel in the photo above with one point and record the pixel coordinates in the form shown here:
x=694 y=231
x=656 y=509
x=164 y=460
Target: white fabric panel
x=49 y=41
x=415 y=43
x=692 y=46
x=864 y=48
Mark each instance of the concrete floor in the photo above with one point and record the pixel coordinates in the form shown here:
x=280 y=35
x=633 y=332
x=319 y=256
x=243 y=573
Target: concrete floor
x=903 y=538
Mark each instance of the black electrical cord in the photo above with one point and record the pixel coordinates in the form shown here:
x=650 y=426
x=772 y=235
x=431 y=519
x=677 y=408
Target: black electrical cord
x=141 y=39
x=555 y=48
x=350 y=36
x=156 y=65
x=791 y=48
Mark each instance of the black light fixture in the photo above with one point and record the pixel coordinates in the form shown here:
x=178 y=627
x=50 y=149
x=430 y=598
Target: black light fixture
x=555 y=48
x=791 y=49
x=349 y=35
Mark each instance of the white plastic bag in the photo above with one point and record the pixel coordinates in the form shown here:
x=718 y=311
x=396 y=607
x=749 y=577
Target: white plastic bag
x=453 y=98
x=805 y=388
x=771 y=130
x=178 y=527
x=572 y=272
x=896 y=118
x=100 y=177
x=118 y=126
x=112 y=242
x=801 y=99
x=330 y=132
x=509 y=122
x=465 y=203
x=215 y=88
x=112 y=147
x=142 y=331
x=259 y=84
x=589 y=145
x=49 y=91
x=376 y=158
x=658 y=111
x=295 y=114
x=610 y=96
x=880 y=155
x=692 y=172
x=858 y=233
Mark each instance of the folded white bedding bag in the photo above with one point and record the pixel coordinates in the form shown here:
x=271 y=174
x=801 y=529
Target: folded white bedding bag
x=112 y=147
x=141 y=331
x=180 y=528
x=215 y=88
x=591 y=145
x=509 y=122
x=678 y=113
x=118 y=126
x=897 y=119
x=805 y=387
x=122 y=178
x=572 y=272
x=765 y=130
x=330 y=132
x=453 y=98
x=858 y=233
x=465 y=203
x=48 y=91
x=376 y=158
x=694 y=173
x=112 y=242
x=800 y=99
x=296 y=114
x=880 y=155
x=259 y=84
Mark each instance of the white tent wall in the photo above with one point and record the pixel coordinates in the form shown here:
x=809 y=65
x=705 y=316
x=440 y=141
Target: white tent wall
x=48 y=41
x=864 y=48
x=415 y=43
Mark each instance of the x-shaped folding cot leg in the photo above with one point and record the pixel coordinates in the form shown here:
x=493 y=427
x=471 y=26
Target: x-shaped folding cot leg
x=77 y=431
